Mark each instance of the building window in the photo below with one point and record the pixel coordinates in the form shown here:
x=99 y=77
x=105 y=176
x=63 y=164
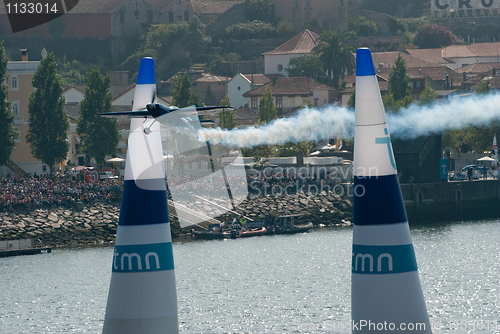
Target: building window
x=341 y=3
x=18 y=130
x=170 y=16
x=418 y=84
x=136 y=13
x=150 y=16
x=253 y=102
x=239 y=88
x=280 y=67
x=122 y=17
x=15 y=108
x=186 y=16
x=13 y=82
x=279 y=102
x=308 y=3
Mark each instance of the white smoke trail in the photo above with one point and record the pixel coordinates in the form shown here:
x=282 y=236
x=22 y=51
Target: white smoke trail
x=308 y=124
x=316 y=124
x=455 y=113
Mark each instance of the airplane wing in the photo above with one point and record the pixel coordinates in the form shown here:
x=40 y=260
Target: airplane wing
x=131 y=114
x=157 y=110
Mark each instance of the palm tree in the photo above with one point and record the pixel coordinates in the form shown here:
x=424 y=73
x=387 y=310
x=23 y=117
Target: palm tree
x=336 y=54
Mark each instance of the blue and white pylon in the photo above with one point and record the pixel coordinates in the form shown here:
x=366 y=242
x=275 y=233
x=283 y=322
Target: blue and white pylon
x=386 y=293
x=142 y=295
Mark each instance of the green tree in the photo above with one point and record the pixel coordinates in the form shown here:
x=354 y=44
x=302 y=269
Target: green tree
x=305 y=66
x=260 y=10
x=292 y=149
x=99 y=135
x=74 y=72
x=183 y=95
x=432 y=36
x=48 y=121
x=284 y=28
x=172 y=44
x=399 y=89
x=267 y=110
x=396 y=26
x=254 y=29
x=226 y=117
x=352 y=101
x=477 y=138
x=336 y=54
x=399 y=80
x=8 y=134
x=428 y=95
x=363 y=26
x=481 y=88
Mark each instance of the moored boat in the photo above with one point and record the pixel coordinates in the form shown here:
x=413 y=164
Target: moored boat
x=208 y=235
x=253 y=232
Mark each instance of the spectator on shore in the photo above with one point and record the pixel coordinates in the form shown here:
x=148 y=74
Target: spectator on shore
x=54 y=190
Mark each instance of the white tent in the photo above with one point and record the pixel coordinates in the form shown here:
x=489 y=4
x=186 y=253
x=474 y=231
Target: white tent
x=486 y=159
x=115 y=160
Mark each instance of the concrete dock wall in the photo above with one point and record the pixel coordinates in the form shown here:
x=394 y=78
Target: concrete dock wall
x=452 y=201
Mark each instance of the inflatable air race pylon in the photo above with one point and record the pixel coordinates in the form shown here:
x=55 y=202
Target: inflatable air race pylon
x=142 y=295
x=386 y=292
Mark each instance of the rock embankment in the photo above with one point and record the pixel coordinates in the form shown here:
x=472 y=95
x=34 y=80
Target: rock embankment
x=320 y=209
x=63 y=226
x=96 y=223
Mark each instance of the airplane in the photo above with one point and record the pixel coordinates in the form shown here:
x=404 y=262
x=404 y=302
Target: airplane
x=157 y=110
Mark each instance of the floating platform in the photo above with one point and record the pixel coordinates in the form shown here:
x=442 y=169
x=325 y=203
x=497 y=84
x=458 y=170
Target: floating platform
x=25 y=251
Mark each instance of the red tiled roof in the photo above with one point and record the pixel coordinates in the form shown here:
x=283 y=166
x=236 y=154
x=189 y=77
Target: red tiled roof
x=431 y=55
x=485 y=49
x=478 y=68
x=300 y=43
x=388 y=59
x=243 y=116
x=457 y=51
x=160 y=5
x=213 y=7
x=494 y=83
x=435 y=73
x=260 y=79
x=123 y=92
x=289 y=86
x=207 y=77
x=443 y=55
x=68 y=88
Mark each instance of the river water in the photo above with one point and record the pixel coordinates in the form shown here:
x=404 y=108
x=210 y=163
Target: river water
x=269 y=284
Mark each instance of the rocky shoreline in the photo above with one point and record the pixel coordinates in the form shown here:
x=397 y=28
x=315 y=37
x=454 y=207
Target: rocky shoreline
x=96 y=223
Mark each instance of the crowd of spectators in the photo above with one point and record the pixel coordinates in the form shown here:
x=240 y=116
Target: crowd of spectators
x=260 y=184
x=65 y=189
x=55 y=190
x=291 y=183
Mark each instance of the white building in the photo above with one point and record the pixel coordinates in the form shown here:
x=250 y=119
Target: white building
x=276 y=61
x=243 y=83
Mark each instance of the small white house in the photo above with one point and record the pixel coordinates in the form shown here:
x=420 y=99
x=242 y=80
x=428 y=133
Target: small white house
x=242 y=83
x=73 y=94
x=276 y=61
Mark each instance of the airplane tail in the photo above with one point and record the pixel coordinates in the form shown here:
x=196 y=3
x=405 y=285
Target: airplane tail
x=386 y=289
x=142 y=295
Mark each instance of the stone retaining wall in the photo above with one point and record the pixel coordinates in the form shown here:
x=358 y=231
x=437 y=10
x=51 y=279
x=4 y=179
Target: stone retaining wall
x=96 y=223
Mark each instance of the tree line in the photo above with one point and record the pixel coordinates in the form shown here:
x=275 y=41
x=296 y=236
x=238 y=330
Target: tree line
x=48 y=121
